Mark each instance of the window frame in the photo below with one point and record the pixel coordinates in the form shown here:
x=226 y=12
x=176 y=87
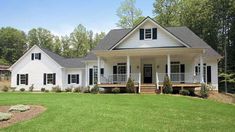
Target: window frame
x=73 y=79
x=36 y=56
x=23 y=80
x=151 y=33
x=49 y=80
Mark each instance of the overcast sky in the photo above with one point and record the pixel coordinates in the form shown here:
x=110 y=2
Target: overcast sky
x=61 y=16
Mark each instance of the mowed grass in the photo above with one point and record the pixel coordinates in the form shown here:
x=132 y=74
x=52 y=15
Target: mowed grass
x=69 y=112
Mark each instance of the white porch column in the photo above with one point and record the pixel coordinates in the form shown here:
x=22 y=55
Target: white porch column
x=128 y=67
x=169 y=66
x=86 y=74
x=201 y=69
x=98 y=68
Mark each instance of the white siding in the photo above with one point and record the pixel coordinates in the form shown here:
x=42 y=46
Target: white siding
x=73 y=71
x=35 y=70
x=163 y=39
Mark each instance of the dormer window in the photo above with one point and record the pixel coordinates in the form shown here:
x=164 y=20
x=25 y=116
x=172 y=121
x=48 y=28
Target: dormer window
x=36 y=56
x=148 y=34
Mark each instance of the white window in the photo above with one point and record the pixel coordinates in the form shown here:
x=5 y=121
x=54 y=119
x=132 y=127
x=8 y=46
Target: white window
x=148 y=33
x=37 y=56
x=22 y=78
x=50 y=79
x=73 y=78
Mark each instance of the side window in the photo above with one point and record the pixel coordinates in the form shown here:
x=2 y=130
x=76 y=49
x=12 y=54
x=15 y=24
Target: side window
x=148 y=34
x=22 y=79
x=49 y=78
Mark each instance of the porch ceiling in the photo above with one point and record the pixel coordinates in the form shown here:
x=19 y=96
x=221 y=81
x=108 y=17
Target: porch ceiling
x=150 y=52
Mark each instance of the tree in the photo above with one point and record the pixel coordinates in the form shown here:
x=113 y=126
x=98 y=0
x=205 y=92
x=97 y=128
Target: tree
x=128 y=14
x=79 y=41
x=12 y=43
x=167 y=85
x=41 y=37
x=98 y=37
x=66 y=50
x=90 y=39
x=57 y=46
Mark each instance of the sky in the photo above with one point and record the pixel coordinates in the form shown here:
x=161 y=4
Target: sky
x=62 y=16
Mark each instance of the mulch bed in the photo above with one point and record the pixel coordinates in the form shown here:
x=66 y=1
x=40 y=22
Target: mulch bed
x=34 y=111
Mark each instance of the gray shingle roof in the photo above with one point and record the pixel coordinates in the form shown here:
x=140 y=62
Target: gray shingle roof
x=65 y=62
x=182 y=33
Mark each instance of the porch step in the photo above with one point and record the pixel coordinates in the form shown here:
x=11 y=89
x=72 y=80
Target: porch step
x=148 y=88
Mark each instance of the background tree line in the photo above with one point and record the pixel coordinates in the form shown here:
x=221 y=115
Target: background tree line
x=14 y=42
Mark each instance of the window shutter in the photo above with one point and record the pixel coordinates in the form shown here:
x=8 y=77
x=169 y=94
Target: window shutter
x=166 y=68
x=102 y=71
x=196 y=70
x=77 y=78
x=154 y=31
x=90 y=76
x=44 y=78
x=26 y=79
x=141 y=34
x=32 y=56
x=39 y=56
x=208 y=74
x=114 y=69
x=182 y=71
x=54 y=78
x=18 y=79
x=69 y=79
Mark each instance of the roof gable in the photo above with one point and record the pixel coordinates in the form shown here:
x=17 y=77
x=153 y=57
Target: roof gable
x=148 y=19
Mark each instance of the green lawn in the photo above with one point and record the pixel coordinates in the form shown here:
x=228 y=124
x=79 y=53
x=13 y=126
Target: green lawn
x=86 y=112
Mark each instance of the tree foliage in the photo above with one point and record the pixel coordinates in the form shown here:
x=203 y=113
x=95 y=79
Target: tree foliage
x=128 y=14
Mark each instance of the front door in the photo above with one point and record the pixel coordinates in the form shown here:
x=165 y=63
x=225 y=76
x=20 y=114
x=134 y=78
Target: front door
x=147 y=73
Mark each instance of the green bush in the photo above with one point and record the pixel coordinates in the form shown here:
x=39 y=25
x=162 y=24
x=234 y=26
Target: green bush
x=22 y=89
x=43 y=89
x=31 y=88
x=13 y=89
x=167 y=85
x=130 y=86
x=77 y=89
x=116 y=90
x=204 y=90
x=5 y=116
x=68 y=90
x=46 y=91
x=5 y=88
x=191 y=92
x=56 y=89
x=95 y=89
x=184 y=92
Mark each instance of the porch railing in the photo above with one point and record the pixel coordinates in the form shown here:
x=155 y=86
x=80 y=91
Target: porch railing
x=180 y=77
x=119 y=78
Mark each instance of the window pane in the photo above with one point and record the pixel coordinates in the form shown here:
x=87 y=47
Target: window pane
x=49 y=78
x=22 y=79
x=148 y=34
x=74 y=79
x=37 y=56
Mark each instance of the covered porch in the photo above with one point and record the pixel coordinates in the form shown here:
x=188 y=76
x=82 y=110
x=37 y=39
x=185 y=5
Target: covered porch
x=149 y=67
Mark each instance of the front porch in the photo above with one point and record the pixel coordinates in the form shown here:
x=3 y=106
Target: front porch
x=150 y=67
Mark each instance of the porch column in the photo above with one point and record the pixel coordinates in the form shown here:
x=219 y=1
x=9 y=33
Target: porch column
x=98 y=68
x=201 y=69
x=86 y=73
x=169 y=66
x=128 y=67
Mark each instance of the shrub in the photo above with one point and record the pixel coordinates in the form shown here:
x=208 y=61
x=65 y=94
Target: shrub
x=191 y=92
x=77 y=89
x=5 y=88
x=19 y=108
x=116 y=90
x=22 y=89
x=43 y=89
x=204 y=90
x=56 y=89
x=130 y=86
x=31 y=88
x=46 y=90
x=167 y=85
x=68 y=90
x=184 y=92
x=95 y=89
x=5 y=116
x=13 y=89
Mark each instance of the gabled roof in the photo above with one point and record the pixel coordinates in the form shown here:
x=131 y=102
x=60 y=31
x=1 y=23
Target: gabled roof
x=184 y=34
x=64 y=62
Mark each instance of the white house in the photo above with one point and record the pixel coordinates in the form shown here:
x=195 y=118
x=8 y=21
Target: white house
x=146 y=53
